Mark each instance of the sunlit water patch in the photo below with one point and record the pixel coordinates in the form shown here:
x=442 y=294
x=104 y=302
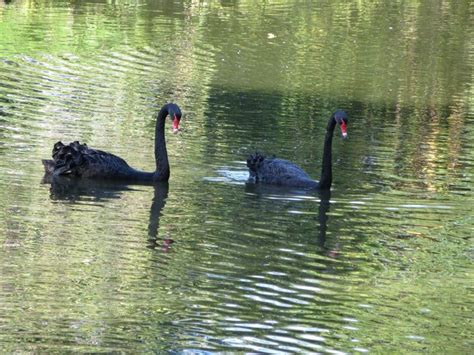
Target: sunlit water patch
x=231 y=175
x=208 y=262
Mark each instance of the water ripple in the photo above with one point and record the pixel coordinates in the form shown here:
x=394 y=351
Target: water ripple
x=213 y=264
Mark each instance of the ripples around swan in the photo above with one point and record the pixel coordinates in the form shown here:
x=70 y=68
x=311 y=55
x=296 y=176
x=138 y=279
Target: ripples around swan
x=208 y=263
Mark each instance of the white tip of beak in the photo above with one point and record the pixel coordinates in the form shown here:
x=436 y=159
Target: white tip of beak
x=344 y=135
x=175 y=130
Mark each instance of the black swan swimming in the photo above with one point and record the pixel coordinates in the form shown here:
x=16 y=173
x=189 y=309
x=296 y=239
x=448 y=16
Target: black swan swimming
x=270 y=170
x=78 y=160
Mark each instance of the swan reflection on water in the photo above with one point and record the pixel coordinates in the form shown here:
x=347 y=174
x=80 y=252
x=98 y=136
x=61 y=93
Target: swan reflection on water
x=75 y=190
x=272 y=192
x=238 y=176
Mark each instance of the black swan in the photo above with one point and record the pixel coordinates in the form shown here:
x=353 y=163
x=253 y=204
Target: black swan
x=78 y=160
x=270 y=170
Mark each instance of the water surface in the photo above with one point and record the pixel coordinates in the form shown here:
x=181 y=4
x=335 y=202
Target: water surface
x=207 y=262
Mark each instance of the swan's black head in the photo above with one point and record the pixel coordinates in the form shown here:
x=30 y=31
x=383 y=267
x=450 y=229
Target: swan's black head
x=341 y=119
x=175 y=114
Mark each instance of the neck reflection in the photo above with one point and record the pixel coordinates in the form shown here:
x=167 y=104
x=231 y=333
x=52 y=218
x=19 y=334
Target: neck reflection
x=75 y=191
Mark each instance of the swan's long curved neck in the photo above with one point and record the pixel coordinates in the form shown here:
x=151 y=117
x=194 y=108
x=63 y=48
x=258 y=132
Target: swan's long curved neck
x=326 y=171
x=162 y=172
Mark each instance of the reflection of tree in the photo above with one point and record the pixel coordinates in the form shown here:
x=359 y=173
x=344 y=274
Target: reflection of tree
x=244 y=89
x=325 y=56
x=428 y=146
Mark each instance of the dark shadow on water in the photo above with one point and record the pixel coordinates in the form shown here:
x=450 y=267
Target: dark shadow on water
x=261 y=191
x=324 y=205
x=158 y=203
x=76 y=190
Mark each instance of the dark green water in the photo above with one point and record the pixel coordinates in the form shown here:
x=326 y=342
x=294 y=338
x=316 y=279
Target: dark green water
x=382 y=264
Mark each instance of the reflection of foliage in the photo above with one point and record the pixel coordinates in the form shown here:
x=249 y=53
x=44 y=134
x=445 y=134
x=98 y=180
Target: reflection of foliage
x=241 y=66
x=250 y=76
x=361 y=50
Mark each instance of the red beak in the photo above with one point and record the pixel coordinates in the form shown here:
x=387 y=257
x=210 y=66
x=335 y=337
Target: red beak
x=344 y=129
x=175 y=124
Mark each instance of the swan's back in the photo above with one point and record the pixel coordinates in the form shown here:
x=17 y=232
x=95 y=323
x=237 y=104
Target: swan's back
x=271 y=170
x=79 y=160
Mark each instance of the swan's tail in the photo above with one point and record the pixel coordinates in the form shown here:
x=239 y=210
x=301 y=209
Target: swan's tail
x=65 y=158
x=48 y=166
x=254 y=161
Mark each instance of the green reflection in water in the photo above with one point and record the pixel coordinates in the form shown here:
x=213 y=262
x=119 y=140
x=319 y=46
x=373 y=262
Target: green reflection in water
x=384 y=266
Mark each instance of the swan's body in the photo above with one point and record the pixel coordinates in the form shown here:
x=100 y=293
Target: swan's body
x=80 y=161
x=274 y=171
x=271 y=170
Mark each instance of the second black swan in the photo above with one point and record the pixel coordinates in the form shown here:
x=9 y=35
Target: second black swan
x=271 y=170
x=80 y=161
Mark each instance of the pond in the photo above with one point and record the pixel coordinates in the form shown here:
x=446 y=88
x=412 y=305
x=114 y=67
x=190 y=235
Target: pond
x=209 y=263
